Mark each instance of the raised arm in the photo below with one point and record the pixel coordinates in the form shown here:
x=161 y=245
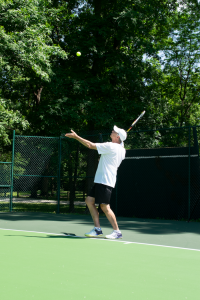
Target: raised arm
x=86 y=143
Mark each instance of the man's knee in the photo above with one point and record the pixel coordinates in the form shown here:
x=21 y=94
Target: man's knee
x=105 y=207
x=89 y=200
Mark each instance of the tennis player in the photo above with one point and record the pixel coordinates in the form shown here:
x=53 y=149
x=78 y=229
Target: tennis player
x=112 y=154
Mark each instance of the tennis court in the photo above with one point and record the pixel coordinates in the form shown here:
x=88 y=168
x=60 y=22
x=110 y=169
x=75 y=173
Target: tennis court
x=156 y=259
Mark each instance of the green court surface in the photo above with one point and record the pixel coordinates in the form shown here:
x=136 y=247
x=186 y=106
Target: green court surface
x=155 y=260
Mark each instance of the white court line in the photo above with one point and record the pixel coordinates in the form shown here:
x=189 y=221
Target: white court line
x=125 y=242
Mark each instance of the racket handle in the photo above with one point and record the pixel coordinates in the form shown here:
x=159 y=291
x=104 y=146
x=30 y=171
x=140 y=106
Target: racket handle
x=129 y=129
x=140 y=116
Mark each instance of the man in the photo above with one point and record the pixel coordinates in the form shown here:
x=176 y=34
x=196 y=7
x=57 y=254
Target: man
x=112 y=154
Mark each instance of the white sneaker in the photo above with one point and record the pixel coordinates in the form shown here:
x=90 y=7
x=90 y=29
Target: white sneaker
x=94 y=233
x=114 y=235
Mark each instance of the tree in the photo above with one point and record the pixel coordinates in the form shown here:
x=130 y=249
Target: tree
x=106 y=84
x=175 y=88
x=27 y=51
x=10 y=119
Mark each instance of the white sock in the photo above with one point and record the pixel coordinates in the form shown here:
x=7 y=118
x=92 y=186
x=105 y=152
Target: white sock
x=118 y=231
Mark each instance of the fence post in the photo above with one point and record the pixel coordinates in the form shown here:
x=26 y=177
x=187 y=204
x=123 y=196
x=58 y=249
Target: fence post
x=100 y=138
x=58 y=175
x=12 y=170
x=116 y=198
x=189 y=140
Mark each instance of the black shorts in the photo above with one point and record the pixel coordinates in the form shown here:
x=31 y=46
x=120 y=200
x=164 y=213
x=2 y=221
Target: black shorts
x=101 y=193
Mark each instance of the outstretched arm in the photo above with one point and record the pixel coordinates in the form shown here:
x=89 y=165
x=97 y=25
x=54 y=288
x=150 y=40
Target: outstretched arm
x=86 y=143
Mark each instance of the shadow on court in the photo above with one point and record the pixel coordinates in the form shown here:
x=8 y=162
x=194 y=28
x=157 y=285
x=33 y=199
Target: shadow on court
x=148 y=231
x=142 y=226
x=46 y=236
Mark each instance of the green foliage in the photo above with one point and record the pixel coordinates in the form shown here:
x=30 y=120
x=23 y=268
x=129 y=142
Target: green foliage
x=25 y=42
x=175 y=88
x=10 y=119
x=111 y=82
x=105 y=86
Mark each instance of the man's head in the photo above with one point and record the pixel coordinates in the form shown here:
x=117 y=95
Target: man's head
x=118 y=135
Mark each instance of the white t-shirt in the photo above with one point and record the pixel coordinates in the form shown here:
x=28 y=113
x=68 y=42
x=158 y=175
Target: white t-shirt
x=112 y=155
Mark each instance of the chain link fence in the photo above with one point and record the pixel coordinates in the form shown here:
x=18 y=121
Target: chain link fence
x=78 y=167
x=159 y=178
x=36 y=165
x=5 y=185
x=53 y=174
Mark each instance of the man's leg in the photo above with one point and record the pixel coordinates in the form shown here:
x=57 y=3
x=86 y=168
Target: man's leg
x=110 y=215
x=116 y=234
x=90 y=201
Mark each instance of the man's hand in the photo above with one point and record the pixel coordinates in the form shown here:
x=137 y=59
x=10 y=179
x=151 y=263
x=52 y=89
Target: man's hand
x=86 y=143
x=71 y=135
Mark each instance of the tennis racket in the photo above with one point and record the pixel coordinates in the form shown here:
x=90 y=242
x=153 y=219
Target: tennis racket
x=140 y=116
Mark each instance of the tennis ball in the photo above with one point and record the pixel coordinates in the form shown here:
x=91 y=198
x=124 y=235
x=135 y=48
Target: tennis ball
x=78 y=53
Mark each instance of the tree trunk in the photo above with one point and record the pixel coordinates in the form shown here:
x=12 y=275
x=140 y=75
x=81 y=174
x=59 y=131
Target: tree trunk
x=37 y=94
x=73 y=181
x=52 y=186
x=44 y=187
x=71 y=190
x=44 y=183
x=92 y=163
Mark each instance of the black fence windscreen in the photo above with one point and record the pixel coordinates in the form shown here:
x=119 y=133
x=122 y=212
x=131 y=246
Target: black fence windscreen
x=160 y=182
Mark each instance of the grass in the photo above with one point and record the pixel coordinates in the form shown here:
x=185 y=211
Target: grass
x=4 y=207
x=64 y=209
x=47 y=208
x=44 y=208
x=63 y=195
